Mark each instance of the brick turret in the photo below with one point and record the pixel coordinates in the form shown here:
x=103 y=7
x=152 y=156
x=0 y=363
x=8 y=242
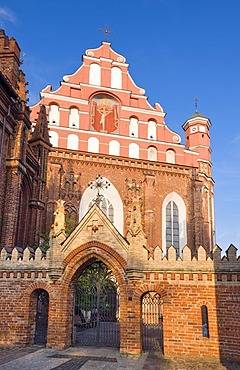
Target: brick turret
x=197 y=135
x=9 y=58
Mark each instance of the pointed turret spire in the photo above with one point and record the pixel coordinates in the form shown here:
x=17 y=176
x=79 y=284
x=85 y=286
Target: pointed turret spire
x=40 y=131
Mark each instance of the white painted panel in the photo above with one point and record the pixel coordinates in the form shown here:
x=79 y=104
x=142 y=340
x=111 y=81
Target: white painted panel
x=114 y=147
x=95 y=74
x=116 y=78
x=72 y=142
x=152 y=153
x=53 y=136
x=170 y=156
x=93 y=145
x=134 y=150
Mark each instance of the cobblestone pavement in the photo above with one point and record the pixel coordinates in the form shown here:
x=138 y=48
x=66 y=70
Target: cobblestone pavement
x=91 y=358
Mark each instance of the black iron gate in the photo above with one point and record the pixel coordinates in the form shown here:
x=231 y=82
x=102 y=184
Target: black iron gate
x=41 y=318
x=96 y=308
x=152 y=321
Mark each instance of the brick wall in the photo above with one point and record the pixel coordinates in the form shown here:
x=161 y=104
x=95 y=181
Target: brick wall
x=167 y=179
x=184 y=286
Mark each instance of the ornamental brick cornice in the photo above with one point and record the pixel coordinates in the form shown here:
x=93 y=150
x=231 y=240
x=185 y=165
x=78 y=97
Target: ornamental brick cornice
x=106 y=160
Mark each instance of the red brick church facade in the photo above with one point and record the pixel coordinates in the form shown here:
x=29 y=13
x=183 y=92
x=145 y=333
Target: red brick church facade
x=110 y=185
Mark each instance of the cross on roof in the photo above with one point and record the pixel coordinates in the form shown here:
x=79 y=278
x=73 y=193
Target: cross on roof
x=106 y=32
x=196 y=104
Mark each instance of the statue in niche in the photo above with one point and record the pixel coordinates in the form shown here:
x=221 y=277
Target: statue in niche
x=104 y=114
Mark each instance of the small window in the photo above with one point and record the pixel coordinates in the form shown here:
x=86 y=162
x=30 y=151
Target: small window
x=205 y=325
x=54 y=115
x=74 y=118
x=133 y=127
x=152 y=134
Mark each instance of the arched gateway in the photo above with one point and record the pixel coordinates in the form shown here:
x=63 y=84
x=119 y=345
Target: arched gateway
x=41 y=317
x=96 y=307
x=100 y=278
x=38 y=316
x=152 y=320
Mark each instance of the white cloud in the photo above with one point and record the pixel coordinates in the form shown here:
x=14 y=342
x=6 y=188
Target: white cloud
x=6 y=15
x=236 y=139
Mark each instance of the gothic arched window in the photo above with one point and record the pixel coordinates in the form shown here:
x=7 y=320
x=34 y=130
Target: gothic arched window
x=107 y=208
x=174 y=223
x=111 y=204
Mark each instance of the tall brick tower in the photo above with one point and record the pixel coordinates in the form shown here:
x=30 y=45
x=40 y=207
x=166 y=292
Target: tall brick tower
x=22 y=170
x=197 y=137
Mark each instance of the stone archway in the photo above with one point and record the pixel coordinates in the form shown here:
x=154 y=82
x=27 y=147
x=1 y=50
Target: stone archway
x=96 y=317
x=76 y=262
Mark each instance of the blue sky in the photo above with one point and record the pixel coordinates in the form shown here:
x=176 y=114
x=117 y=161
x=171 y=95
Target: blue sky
x=177 y=50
